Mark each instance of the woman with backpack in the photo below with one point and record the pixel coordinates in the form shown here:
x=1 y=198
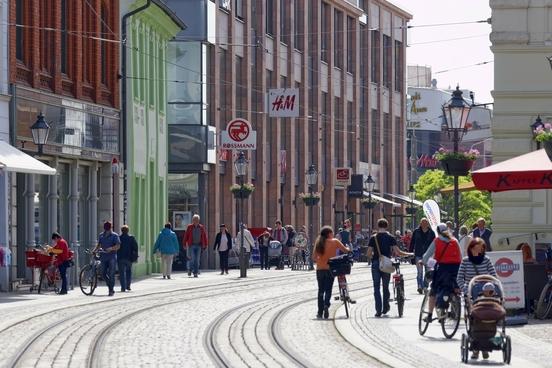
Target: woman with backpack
x=326 y=247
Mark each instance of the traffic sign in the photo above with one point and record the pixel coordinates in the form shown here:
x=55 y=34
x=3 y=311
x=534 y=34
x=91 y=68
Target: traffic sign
x=238 y=136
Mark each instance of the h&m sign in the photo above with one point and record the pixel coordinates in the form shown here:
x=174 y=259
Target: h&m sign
x=283 y=103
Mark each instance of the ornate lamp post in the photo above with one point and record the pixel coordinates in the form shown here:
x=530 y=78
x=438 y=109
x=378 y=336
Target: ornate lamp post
x=369 y=185
x=537 y=124
x=312 y=180
x=456 y=113
x=40 y=130
x=411 y=210
x=241 y=169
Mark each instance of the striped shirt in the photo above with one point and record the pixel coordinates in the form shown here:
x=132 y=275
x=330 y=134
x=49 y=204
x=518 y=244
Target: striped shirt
x=469 y=270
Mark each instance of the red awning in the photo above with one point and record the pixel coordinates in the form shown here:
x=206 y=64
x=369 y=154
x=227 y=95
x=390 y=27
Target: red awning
x=532 y=170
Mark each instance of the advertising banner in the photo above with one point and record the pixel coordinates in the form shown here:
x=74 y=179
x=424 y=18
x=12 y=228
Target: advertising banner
x=509 y=268
x=432 y=213
x=283 y=103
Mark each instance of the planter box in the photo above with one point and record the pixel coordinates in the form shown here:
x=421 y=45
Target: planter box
x=547 y=145
x=457 y=167
x=311 y=201
x=241 y=194
x=369 y=204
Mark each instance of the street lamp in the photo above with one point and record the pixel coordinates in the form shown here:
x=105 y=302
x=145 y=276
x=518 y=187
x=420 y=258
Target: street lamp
x=312 y=180
x=456 y=113
x=537 y=124
x=412 y=209
x=370 y=183
x=241 y=169
x=40 y=130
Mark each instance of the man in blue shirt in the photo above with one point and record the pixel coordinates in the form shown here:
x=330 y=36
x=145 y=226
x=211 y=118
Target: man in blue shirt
x=110 y=243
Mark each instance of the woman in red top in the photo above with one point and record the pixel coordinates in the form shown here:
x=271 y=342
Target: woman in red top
x=61 y=250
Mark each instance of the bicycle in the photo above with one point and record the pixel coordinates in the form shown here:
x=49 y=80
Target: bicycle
x=544 y=305
x=341 y=266
x=449 y=318
x=398 y=287
x=90 y=273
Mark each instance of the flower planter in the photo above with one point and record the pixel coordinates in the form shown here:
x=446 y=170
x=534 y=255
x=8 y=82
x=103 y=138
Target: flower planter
x=456 y=167
x=311 y=201
x=241 y=194
x=547 y=145
x=369 y=204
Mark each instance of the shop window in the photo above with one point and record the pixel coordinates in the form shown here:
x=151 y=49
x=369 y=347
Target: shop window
x=375 y=57
x=338 y=39
x=269 y=17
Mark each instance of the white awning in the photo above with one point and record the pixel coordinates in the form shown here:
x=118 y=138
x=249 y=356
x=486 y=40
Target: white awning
x=381 y=199
x=405 y=199
x=12 y=159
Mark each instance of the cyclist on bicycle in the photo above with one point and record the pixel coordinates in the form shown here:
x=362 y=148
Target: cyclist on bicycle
x=63 y=258
x=110 y=243
x=446 y=251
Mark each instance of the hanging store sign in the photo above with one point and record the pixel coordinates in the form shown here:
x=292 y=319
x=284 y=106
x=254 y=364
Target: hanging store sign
x=343 y=176
x=238 y=136
x=356 y=189
x=283 y=103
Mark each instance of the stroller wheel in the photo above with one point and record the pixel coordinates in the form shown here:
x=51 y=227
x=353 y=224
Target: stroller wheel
x=507 y=350
x=464 y=348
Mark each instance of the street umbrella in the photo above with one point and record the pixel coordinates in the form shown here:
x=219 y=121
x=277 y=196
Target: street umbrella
x=532 y=170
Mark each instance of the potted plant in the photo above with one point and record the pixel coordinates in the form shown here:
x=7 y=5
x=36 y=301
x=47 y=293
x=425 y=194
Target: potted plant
x=310 y=199
x=368 y=202
x=456 y=163
x=242 y=191
x=543 y=134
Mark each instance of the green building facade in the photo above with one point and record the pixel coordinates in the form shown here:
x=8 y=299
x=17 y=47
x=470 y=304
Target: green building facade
x=149 y=31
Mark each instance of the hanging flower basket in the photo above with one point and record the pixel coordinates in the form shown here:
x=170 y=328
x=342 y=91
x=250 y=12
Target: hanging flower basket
x=547 y=145
x=369 y=204
x=242 y=191
x=543 y=134
x=310 y=199
x=456 y=163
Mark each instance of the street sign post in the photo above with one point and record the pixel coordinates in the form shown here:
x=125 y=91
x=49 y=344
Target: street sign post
x=238 y=136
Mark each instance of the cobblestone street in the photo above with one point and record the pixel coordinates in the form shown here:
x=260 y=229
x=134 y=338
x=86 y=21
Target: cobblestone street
x=266 y=320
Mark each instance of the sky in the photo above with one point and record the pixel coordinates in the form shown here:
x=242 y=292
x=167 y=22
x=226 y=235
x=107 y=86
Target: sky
x=454 y=57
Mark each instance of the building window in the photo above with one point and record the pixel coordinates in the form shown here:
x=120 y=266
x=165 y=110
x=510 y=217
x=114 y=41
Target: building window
x=224 y=76
x=298 y=35
x=339 y=128
x=47 y=36
x=284 y=22
x=399 y=154
x=376 y=151
x=363 y=111
x=388 y=149
x=350 y=134
x=20 y=10
x=104 y=19
x=324 y=26
x=351 y=32
x=87 y=43
x=325 y=133
x=241 y=88
x=386 y=61
x=64 y=35
x=398 y=66
x=225 y=4
x=238 y=8
x=338 y=39
x=375 y=57
x=269 y=17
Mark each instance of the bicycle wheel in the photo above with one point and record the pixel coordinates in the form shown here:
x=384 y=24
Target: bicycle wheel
x=424 y=312
x=451 y=319
x=88 y=280
x=41 y=280
x=544 y=305
x=400 y=298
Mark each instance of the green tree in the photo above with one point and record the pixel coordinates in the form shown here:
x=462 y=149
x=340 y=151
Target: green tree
x=473 y=204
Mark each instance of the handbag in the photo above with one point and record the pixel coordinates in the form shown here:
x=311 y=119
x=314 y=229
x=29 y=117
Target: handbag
x=385 y=263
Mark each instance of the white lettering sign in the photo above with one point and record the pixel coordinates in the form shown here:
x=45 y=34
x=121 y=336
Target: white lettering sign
x=509 y=269
x=283 y=103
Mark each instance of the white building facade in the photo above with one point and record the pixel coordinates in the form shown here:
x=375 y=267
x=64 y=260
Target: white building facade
x=521 y=40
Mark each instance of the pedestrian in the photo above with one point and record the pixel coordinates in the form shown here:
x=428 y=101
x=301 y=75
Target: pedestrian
x=326 y=247
x=167 y=246
x=279 y=233
x=421 y=240
x=407 y=240
x=398 y=239
x=345 y=233
x=482 y=232
x=109 y=243
x=464 y=240
x=223 y=243
x=264 y=241
x=382 y=243
x=248 y=243
x=290 y=243
x=126 y=256
x=301 y=242
x=195 y=240
x=63 y=259
x=450 y=227
x=475 y=263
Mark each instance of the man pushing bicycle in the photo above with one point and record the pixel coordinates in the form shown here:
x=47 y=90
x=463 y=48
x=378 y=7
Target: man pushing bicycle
x=109 y=243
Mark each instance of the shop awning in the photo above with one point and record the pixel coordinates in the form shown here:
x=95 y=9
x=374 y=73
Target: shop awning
x=405 y=199
x=532 y=170
x=12 y=159
x=464 y=187
x=381 y=199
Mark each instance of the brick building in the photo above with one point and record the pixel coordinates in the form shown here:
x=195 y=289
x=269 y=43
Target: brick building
x=347 y=58
x=64 y=61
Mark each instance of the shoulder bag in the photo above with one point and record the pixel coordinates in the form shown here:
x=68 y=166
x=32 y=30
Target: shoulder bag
x=385 y=263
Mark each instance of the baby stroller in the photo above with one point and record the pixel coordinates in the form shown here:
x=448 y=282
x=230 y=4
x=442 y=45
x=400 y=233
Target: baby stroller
x=275 y=254
x=484 y=315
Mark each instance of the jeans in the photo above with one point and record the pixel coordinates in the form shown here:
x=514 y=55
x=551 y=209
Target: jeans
x=63 y=274
x=194 y=263
x=380 y=278
x=421 y=273
x=325 y=281
x=108 y=273
x=224 y=260
x=125 y=267
x=264 y=257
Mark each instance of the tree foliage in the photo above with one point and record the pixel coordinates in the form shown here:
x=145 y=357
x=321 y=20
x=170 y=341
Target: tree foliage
x=473 y=204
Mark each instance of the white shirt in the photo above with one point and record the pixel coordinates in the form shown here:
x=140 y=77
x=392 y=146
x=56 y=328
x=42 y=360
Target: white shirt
x=223 y=246
x=247 y=240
